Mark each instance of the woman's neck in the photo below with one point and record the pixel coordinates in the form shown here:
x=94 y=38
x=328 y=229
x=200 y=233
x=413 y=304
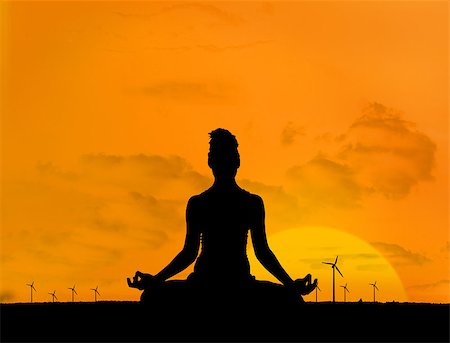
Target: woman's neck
x=225 y=183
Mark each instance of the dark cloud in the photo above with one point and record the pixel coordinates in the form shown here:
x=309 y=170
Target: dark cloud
x=155 y=165
x=387 y=152
x=216 y=48
x=108 y=224
x=190 y=91
x=153 y=239
x=205 y=88
x=136 y=200
x=282 y=209
x=316 y=263
x=380 y=153
x=6 y=296
x=5 y=258
x=378 y=116
x=167 y=214
x=432 y=285
x=50 y=169
x=290 y=132
x=361 y=256
x=208 y=9
x=400 y=256
x=446 y=248
x=324 y=182
x=145 y=173
x=371 y=267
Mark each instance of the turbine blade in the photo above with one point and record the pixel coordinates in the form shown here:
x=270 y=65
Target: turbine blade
x=75 y=292
x=327 y=263
x=319 y=288
x=376 y=288
x=339 y=271
x=336 y=260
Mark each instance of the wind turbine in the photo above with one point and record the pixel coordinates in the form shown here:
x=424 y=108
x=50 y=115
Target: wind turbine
x=334 y=266
x=53 y=296
x=345 y=291
x=374 y=285
x=73 y=291
x=31 y=285
x=95 y=293
x=317 y=288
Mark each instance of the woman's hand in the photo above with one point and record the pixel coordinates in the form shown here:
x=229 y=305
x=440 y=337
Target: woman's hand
x=304 y=286
x=142 y=281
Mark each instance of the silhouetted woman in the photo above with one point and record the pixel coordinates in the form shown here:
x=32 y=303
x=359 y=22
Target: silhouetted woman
x=219 y=220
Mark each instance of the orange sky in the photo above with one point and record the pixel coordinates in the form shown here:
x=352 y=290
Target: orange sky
x=340 y=110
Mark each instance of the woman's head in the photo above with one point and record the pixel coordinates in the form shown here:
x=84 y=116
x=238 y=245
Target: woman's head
x=223 y=156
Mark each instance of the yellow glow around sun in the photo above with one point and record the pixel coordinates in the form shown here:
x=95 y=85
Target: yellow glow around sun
x=301 y=251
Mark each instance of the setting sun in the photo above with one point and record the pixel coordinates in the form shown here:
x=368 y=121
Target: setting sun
x=303 y=250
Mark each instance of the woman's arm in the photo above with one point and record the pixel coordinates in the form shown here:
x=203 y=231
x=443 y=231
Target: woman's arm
x=261 y=247
x=184 y=258
x=191 y=245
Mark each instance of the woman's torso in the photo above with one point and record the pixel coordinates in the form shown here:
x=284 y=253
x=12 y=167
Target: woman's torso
x=224 y=219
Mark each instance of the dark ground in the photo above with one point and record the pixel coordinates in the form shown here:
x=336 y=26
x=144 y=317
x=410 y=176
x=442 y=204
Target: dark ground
x=311 y=322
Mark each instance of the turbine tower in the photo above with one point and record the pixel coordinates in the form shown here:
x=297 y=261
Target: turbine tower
x=345 y=291
x=73 y=291
x=317 y=288
x=95 y=293
x=374 y=285
x=334 y=266
x=31 y=285
x=53 y=296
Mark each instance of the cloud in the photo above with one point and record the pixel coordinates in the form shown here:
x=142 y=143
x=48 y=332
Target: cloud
x=361 y=256
x=145 y=173
x=167 y=214
x=387 y=153
x=215 y=11
x=210 y=48
x=155 y=164
x=432 y=285
x=223 y=16
x=6 y=296
x=446 y=248
x=282 y=209
x=190 y=91
x=216 y=48
x=380 y=153
x=316 y=263
x=290 y=132
x=96 y=211
x=371 y=267
x=323 y=182
x=400 y=256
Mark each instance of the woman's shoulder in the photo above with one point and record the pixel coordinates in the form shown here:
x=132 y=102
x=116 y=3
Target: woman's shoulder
x=199 y=198
x=251 y=197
